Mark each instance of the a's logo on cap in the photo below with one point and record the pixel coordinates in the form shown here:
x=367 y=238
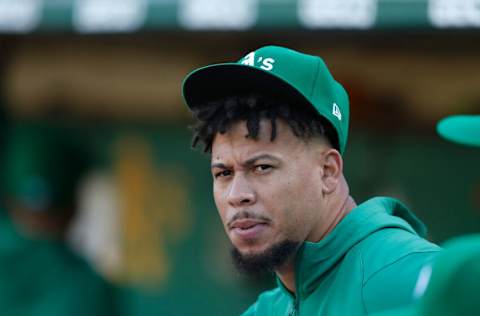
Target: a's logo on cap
x=265 y=63
x=336 y=111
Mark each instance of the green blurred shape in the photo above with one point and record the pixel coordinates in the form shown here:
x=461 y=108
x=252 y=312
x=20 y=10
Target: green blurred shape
x=461 y=129
x=43 y=166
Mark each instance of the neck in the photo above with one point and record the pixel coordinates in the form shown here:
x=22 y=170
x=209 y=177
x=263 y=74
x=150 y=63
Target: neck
x=334 y=218
x=287 y=272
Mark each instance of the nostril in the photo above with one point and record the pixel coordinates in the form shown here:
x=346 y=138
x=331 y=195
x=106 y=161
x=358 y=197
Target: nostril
x=245 y=201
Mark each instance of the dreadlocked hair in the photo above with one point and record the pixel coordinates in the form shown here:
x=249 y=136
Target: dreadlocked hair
x=218 y=116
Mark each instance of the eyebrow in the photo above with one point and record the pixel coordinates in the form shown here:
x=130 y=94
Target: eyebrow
x=249 y=162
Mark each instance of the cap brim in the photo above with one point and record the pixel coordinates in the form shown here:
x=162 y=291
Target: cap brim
x=462 y=129
x=223 y=80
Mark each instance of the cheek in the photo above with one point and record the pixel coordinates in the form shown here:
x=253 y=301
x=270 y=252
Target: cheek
x=283 y=197
x=293 y=188
x=300 y=198
x=220 y=202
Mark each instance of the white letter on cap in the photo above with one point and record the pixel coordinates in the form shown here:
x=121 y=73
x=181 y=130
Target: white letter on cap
x=267 y=64
x=249 y=59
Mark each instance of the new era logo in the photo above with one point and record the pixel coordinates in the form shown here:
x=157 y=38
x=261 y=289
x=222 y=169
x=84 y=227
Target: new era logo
x=336 y=111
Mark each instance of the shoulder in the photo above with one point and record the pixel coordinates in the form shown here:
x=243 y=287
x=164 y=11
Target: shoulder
x=267 y=301
x=391 y=261
x=388 y=246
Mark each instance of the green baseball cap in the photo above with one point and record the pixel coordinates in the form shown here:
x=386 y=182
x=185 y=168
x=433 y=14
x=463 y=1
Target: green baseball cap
x=277 y=71
x=462 y=129
x=454 y=285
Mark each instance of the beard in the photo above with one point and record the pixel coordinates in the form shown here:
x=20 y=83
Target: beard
x=267 y=261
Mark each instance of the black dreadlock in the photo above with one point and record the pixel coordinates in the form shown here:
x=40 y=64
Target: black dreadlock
x=217 y=117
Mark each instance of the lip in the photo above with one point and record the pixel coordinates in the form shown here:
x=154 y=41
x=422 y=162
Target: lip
x=247 y=228
x=245 y=223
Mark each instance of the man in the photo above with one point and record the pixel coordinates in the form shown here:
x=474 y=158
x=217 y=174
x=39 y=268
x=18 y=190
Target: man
x=276 y=125
x=40 y=274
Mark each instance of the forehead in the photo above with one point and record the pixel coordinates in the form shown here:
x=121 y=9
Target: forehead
x=234 y=141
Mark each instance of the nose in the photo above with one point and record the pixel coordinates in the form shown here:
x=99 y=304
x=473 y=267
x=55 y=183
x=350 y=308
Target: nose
x=241 y=193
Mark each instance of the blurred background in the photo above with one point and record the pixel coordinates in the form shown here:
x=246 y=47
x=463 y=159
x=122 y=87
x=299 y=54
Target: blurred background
x=105 y=208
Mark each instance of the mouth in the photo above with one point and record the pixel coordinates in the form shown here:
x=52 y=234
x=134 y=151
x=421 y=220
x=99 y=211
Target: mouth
x=247 y=229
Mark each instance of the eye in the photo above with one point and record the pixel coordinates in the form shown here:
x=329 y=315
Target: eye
x=263 y=168
x=222 y=174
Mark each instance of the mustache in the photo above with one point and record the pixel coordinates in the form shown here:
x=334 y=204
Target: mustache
x=249 y=215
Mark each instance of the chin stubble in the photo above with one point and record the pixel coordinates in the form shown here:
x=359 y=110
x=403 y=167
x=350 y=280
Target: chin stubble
x=266 y=262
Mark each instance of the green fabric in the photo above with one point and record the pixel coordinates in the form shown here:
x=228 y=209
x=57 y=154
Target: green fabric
x=454 y=283
x=44 y=278
x=275 y=70
x=368 y=263
x=462 y=129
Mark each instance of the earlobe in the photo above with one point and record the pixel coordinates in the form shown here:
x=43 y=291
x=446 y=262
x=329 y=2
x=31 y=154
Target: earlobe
x=332 y=170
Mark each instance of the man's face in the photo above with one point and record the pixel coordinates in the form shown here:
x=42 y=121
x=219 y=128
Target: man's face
x=266 y=192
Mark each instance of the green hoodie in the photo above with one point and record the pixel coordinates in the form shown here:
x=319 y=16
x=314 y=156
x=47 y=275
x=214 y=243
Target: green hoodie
x=369 y=262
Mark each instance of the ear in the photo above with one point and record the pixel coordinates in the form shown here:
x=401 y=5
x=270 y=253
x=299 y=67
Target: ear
x=332 y=166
